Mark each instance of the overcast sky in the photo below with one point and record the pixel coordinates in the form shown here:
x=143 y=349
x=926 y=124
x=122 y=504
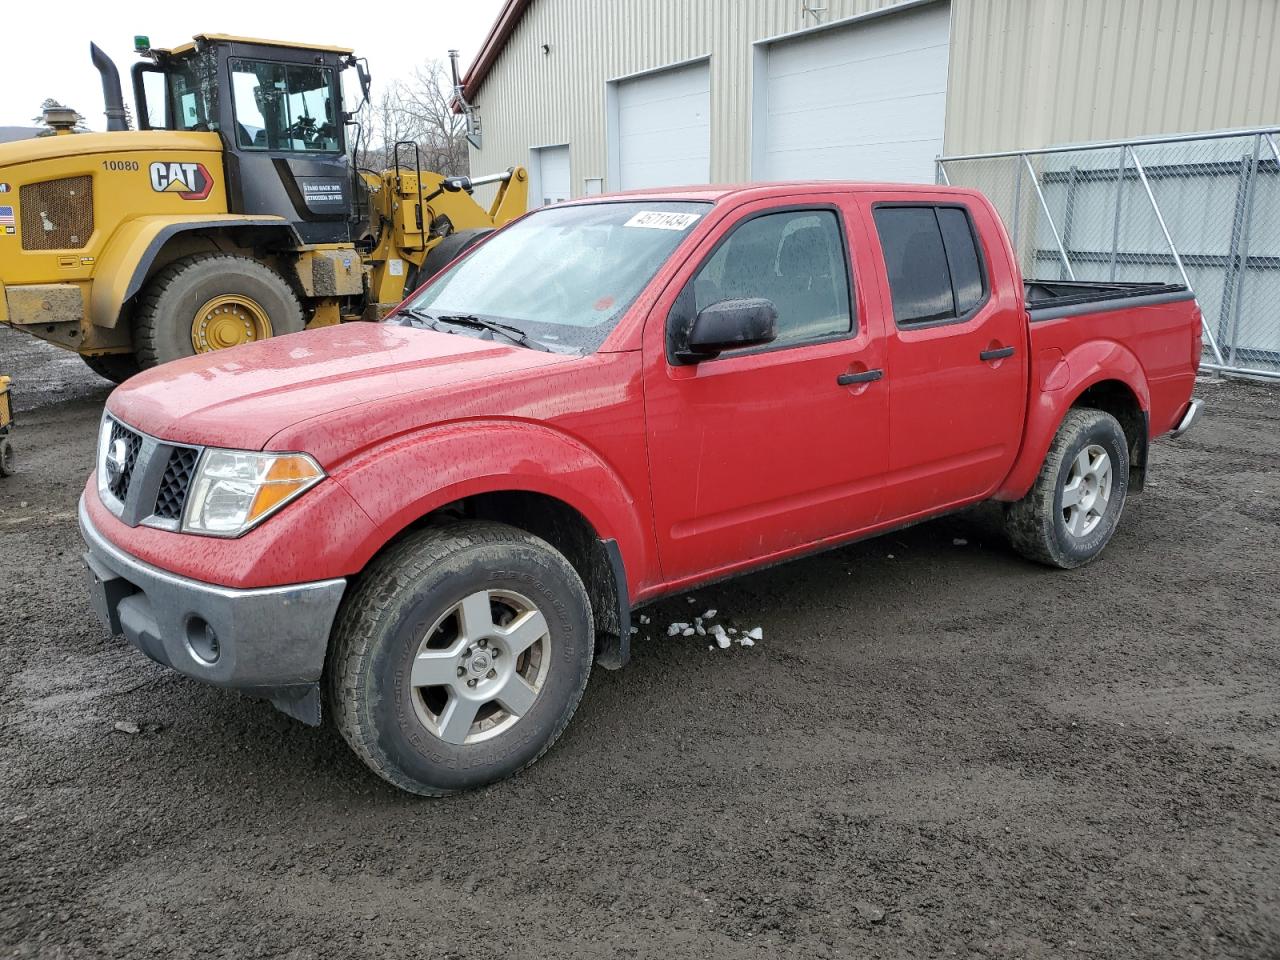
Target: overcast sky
x=47 y=43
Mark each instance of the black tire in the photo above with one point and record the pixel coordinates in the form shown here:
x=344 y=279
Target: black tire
x=116 y=367
x=168 y=305
x=7 y=465
x=396 y=603
x=1037 y=525
x=445 y=252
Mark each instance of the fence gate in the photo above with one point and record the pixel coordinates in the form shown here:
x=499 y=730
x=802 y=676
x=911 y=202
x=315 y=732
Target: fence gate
x=1202 y=209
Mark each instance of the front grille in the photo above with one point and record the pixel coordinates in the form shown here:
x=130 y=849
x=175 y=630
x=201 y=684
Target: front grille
x=56 y=214
x=175 y=483
x=118 y=483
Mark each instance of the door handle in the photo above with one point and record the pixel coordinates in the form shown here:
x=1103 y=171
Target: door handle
x=1000 y=354
x=866 y=376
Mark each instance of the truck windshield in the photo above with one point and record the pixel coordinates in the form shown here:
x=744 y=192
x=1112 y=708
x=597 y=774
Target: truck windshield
x=564 y=275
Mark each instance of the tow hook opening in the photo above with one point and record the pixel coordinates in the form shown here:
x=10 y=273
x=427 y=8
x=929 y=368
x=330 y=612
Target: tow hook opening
x=202 y=640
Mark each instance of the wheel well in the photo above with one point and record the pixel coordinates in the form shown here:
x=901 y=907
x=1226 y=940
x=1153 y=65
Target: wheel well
x=247 y=241
x=569 y=532
x=1115 y=398
x=257 y=242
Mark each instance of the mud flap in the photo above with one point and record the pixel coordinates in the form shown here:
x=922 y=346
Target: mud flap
x=613 y=650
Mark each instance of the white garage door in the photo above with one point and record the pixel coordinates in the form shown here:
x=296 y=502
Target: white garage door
x=550 y=172
x=663 y=124
x=862 y=102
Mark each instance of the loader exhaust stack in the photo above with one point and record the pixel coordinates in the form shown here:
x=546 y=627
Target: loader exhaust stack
x=111 y=95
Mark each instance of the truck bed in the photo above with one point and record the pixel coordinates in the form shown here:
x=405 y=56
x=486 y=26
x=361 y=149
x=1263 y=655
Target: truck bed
x=1049 y=299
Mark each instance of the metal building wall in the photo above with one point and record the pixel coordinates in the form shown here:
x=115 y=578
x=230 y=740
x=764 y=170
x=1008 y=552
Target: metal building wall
x=534 y=99
x=1023 y=73
x=1032 y=73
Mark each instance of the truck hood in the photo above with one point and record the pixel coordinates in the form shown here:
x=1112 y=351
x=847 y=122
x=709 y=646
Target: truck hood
x=244 y=396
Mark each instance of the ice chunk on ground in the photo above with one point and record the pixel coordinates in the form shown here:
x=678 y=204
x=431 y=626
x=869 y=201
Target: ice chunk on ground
x=722 y=640
x=746 y=641
x=709 y=614
x=644 y=619
x=688 y=631
x=756 y=633
x=676 y=628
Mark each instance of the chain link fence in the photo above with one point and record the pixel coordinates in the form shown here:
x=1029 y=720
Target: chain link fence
x=1202 y=210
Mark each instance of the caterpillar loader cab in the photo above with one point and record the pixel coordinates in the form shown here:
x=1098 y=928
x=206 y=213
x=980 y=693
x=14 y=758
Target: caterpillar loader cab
x=278 y=109
x=233 y=213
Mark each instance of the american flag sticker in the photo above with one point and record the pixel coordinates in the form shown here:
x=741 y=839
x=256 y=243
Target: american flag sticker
x=6 y=216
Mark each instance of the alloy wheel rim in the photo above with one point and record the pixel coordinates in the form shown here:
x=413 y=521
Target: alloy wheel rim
x=229 y=320
x=481 y=666
x=1087 y=492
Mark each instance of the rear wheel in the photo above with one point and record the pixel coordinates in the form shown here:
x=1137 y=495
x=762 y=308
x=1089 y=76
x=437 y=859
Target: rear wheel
x=1075 y=504
x=7 y=465
x=211 y=301
x=116 y=367
x=460 y=656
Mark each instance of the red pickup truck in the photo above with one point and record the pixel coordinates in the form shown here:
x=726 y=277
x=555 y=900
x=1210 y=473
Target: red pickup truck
x=435 y=525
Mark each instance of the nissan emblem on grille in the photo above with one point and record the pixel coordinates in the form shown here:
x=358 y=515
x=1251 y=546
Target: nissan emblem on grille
x=117 y=460
x=120 y=458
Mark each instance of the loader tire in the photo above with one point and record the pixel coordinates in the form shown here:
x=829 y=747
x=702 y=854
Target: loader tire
x=116 y=367
x=1073 y=508
x=459 y=656
x=211 y=301
x=445 y=252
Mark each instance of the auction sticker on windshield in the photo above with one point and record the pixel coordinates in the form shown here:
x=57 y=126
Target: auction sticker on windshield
x=659 y=220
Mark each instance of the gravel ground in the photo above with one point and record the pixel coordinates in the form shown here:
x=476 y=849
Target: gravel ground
x=936 y=750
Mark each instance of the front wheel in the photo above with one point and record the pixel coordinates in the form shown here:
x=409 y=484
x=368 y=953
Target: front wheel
x=460 y=656
x=1074 y=506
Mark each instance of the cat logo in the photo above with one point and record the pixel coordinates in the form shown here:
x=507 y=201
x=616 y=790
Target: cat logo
x=190 y=181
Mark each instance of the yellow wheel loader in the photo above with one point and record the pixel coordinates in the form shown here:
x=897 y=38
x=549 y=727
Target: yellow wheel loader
x=233 y=214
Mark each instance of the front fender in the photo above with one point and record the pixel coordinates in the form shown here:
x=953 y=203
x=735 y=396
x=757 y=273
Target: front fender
x=400 y=482
x=1056 y=384
x=132 y=249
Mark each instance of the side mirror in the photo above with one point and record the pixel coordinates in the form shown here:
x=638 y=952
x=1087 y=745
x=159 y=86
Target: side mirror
x=731 y=325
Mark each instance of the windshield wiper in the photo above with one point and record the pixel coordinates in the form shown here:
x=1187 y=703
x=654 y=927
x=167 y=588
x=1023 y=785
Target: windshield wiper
x=419 y=316
x=514 y=334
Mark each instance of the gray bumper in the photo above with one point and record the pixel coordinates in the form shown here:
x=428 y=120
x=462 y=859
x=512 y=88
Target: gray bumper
x=270 y=642
x=1188 y=419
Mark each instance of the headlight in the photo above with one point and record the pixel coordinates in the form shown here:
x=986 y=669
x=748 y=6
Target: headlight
x=233 y=491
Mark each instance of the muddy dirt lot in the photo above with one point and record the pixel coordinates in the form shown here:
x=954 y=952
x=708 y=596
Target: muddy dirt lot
x=936 y=750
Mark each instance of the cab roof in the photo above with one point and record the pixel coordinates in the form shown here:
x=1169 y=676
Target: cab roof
x=715 y=193
x=230 y=38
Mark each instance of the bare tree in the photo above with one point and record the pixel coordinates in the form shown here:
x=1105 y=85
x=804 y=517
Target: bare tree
x=418 y=110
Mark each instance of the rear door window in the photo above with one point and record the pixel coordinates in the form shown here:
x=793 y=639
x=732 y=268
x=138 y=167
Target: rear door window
x=962 y=257
x=932 y=261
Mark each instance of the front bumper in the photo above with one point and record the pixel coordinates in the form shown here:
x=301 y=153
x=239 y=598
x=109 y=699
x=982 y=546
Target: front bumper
x=269 y=642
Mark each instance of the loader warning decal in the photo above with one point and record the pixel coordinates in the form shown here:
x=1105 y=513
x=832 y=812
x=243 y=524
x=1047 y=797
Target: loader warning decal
x=190 y=181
